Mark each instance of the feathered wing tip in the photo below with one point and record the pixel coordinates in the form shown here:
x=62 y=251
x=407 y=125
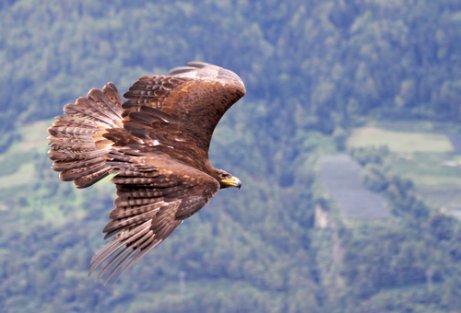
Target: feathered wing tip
x=195 y=69
x=122 y=251
x=78 y=145
x=133 y=235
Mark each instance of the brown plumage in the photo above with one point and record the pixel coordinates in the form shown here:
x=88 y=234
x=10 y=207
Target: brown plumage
x=156 y=143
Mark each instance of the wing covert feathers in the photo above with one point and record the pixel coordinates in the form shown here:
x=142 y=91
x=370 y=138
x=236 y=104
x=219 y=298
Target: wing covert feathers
x=78 y=146
x=196 y=95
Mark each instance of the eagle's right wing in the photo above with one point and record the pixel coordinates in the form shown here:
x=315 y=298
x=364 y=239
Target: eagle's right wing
x=155 y=193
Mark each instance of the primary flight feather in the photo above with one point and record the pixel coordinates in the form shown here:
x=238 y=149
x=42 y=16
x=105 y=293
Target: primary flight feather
x=156 y=143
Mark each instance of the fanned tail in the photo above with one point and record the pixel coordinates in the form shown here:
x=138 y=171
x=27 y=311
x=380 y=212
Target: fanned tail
x=78 y=146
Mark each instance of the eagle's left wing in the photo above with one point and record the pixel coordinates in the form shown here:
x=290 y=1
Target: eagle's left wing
x=155 y=193
x=196 y=96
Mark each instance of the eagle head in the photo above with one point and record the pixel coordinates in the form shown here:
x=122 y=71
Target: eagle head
x=227 y=180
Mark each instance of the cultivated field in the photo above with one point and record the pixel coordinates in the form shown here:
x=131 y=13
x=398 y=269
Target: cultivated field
x=399 y=141
x=431 y=160
x=340 y=175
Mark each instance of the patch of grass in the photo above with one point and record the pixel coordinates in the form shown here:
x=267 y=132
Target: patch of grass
x=23 y=176
x=33 y=137
x=429 y=170
x=444 y=199
x=437 y=182
x=19 y=160
x=398 y=141
x=11 y=162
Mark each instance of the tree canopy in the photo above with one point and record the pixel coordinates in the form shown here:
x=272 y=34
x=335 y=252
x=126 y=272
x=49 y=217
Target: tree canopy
x=313 y=69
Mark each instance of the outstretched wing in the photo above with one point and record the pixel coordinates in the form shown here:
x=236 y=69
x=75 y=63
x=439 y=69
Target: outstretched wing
x=196 y=96
x=154 y=195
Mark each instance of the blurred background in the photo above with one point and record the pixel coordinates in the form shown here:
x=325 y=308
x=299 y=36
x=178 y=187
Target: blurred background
x=348 y=144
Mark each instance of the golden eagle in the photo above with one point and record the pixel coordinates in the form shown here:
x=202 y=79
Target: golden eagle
x=156 y=143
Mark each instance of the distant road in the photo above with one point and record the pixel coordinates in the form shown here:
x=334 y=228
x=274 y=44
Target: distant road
x=341 y=177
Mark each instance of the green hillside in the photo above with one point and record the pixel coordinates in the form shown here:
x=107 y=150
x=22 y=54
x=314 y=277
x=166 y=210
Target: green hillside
x=324 y=78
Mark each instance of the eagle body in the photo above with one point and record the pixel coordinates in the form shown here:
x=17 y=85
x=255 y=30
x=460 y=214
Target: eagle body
x=156 y=143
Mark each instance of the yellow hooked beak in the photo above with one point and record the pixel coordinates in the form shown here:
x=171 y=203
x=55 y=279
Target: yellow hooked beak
x=231 y=181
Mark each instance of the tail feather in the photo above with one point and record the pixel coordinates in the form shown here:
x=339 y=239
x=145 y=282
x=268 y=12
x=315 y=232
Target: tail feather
x=61 y=165
x=74 y=173
x=89 y=109
x=77 y=139
x=68 y=143
x=71 y=131
x=74 y=120
x=103 y=104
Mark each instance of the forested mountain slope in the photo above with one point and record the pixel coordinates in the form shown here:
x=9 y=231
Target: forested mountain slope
x=313 y=69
